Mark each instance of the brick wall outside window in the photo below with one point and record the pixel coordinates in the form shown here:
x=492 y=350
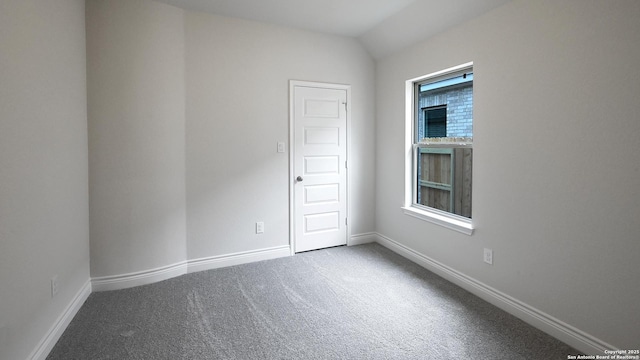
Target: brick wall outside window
x=459 y=101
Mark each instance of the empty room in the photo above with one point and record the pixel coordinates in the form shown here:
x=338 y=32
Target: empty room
x=405 y=179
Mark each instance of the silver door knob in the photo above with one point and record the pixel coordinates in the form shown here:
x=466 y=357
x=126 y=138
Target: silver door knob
x=299 y=178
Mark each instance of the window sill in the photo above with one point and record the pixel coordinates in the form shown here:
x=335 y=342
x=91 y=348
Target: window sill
x=454 y=223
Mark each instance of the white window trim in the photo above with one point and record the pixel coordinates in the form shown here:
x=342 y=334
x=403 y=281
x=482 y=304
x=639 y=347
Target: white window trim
x=450 y=221
x=440 y=218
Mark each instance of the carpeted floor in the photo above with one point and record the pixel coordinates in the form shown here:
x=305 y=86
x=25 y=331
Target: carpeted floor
x=361 y=302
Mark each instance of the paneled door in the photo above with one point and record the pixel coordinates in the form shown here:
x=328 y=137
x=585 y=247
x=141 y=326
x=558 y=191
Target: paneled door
x=319 y=166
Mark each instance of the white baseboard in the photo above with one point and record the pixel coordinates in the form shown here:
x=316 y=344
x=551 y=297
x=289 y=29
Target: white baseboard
x=562 y=331
x=138 y=278
x=151 y=276
x=574 y=337
x=364 y=238
x=49 y=340
x=214 y=262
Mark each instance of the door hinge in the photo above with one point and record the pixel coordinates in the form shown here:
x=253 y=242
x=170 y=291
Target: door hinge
x=346 y=222
x=345 y=105
x=345 y=165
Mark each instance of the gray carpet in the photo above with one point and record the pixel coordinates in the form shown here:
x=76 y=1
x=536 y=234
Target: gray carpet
x=361 y=302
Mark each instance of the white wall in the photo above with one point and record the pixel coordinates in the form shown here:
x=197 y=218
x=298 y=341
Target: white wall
x=556 y=164
x=238 y=76
x=236 y=105
x=555 y=177
x=136 y=97
x=44 y=226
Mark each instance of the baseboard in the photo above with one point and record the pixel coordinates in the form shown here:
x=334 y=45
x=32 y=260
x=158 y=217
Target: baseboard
x=138 y=278
x=572 y=336
x=49 y=340
x=151 y=276
x=364 y=238
x=562 y=331
x=214 y=262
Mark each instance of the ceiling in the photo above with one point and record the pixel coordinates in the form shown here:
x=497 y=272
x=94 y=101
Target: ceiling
x=383 y=26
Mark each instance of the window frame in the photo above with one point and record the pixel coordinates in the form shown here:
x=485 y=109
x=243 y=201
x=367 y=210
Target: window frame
x=411 y=207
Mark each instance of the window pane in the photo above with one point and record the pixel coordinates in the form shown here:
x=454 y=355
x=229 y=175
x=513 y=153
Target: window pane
x=445 y=108
x=444 y=179
x=444 y=139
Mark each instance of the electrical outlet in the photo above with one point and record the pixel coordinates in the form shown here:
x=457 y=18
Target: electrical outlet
x=54 y=286
x=488 y=256
x=259 y=227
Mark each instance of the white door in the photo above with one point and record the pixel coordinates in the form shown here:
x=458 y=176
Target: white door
x=319 y=167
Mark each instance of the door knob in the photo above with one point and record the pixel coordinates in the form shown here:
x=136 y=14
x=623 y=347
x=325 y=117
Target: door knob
x=299 y=178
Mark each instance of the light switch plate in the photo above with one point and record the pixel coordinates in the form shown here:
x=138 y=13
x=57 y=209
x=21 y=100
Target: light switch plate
x=54 y=286
x=281 y=147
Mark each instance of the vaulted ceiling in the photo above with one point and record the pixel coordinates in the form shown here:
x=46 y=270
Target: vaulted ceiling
x=383 y=26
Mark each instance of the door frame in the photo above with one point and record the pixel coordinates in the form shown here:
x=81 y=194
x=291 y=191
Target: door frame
x=300 y=83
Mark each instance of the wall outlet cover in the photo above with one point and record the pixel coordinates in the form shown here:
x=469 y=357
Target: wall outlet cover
x=488 y=256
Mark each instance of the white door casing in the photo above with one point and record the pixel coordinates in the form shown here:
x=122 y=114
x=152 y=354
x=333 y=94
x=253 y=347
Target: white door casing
x=319 y=165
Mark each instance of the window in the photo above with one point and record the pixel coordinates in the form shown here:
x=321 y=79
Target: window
x=440 y=143
x=435 y=122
